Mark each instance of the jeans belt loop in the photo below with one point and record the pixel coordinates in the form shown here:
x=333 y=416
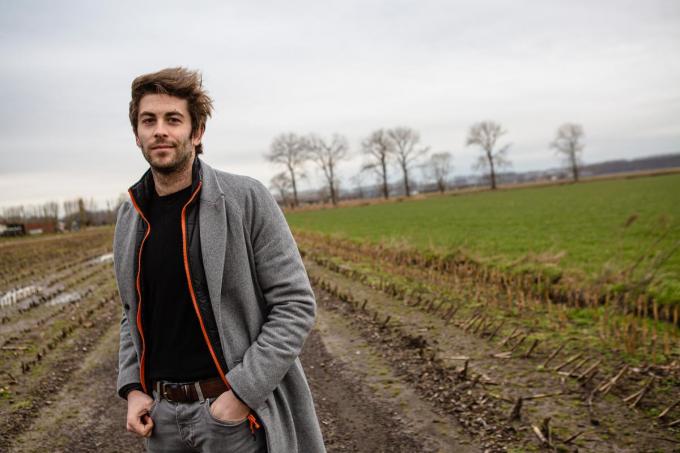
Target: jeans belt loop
x=199 y=392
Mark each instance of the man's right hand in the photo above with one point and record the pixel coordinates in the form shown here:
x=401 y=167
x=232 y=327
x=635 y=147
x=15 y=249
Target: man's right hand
x=138 y=419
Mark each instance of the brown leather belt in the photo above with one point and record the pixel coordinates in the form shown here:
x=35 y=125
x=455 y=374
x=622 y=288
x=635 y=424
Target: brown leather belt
x=190 y=392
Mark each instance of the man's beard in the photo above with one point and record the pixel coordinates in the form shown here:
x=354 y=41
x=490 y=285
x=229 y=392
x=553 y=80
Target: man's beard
x=178 y=164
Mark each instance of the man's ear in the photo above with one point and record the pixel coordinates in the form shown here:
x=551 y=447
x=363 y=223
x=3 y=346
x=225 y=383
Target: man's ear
x=197 y=136
x=139 y=143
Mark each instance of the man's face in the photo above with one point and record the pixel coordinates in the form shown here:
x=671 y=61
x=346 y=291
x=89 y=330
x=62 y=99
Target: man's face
x=164 y=132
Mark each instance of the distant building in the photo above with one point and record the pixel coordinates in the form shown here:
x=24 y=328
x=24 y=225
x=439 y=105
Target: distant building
x=32 y=227
x=40 y=227
x=12 y=229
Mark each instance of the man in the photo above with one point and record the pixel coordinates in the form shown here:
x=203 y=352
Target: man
x=216 y=301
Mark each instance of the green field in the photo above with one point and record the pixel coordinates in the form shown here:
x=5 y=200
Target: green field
x=577 y=229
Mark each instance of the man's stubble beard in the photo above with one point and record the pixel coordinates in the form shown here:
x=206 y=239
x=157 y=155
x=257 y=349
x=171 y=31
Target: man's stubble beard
x=181 y=162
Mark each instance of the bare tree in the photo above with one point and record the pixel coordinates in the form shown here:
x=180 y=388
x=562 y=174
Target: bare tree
x=282 y=184
x=289 y=150
x=327 y=155
x=91 y=205
x=406 y=152
x=83 y=218
x=486 y=134
x=50 y=212
x=568 y=144
x=378 y=147
x=14 y=214
x=70 y=207
x=439 y=167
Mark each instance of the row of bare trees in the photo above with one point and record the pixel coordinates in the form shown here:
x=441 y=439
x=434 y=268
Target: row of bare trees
x=402 y=146
x=77 y=211
x=48 y=211
x=293 y=151
x=567 y=143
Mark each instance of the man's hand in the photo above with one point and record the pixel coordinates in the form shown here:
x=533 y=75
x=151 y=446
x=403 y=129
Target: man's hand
x=228 y=408
x=138 y=419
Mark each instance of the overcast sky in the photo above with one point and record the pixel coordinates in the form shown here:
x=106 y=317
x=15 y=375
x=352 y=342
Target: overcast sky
x=316 y=66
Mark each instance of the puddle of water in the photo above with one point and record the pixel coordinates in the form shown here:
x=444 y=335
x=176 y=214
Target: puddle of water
x=106 y=258
x=65 y=298
x=13 y=296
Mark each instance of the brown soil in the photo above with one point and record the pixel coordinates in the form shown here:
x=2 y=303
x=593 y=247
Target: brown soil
x=359 y=411
x=428 y=351
x=361 y=404
x=380 y=384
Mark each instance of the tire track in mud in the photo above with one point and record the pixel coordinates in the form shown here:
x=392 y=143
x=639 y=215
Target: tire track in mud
x=383 y=413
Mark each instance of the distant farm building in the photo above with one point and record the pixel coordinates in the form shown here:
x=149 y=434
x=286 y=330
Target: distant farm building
x=12 y=229
x=33 y=227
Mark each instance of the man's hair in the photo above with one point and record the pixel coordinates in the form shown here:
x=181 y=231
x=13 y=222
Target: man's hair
x=179 y=82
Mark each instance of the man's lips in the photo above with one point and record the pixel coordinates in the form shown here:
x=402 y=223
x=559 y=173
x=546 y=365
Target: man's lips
x=162 y=147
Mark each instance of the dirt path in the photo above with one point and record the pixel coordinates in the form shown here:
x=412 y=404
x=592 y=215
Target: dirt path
x=86 y=415
x=361 y=405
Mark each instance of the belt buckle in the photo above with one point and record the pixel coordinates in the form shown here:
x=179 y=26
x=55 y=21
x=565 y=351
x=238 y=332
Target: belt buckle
x=164 y=391
x=184 y=388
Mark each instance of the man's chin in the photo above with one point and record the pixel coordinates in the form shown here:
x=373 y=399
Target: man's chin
x=169 y=166
x=166 y=169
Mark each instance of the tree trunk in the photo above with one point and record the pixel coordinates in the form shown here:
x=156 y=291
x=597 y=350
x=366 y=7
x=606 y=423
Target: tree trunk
x=384 y=178
x=574 y=166
x=333 y=199
x=493 y=171
x=407 y=189
x=295 y=196
x=331 y=185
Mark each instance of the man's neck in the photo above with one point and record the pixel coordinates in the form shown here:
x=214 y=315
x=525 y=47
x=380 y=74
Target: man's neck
x=168 y=183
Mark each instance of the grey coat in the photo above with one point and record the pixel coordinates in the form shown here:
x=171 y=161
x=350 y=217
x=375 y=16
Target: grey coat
x=261 y=299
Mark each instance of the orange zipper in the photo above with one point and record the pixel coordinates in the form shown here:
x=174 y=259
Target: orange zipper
x=139 y=291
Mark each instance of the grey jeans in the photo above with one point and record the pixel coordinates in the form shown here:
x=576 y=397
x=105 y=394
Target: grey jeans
x=190 y=427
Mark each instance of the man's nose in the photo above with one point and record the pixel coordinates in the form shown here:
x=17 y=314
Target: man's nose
x=160 y=130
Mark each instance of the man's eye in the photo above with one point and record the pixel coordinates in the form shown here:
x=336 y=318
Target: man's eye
x=174 y=120
x=147 y=121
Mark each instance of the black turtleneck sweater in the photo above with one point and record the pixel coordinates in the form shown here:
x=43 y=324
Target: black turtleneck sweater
x=176 y=349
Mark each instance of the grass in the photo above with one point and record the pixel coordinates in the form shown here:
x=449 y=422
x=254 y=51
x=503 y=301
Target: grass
x=575 y=229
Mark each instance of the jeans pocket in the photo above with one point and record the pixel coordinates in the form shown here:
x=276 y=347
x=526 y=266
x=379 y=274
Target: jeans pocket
x=226 y=423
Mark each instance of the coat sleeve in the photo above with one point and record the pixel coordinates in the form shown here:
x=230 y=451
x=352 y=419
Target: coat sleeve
x=289 y=298
x=128 y=362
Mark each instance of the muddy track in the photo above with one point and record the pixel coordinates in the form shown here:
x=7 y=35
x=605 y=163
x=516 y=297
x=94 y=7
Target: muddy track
x=35 y=380
x=495 y=377
x=357 y=413
x=27 y=259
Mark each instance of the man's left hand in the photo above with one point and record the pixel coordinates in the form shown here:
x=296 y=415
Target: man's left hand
x=228 y=408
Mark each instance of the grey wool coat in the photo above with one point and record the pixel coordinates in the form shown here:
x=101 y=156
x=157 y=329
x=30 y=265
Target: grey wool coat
x=260 y=296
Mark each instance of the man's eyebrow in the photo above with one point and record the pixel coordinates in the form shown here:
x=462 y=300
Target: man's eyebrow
x=173 y=113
